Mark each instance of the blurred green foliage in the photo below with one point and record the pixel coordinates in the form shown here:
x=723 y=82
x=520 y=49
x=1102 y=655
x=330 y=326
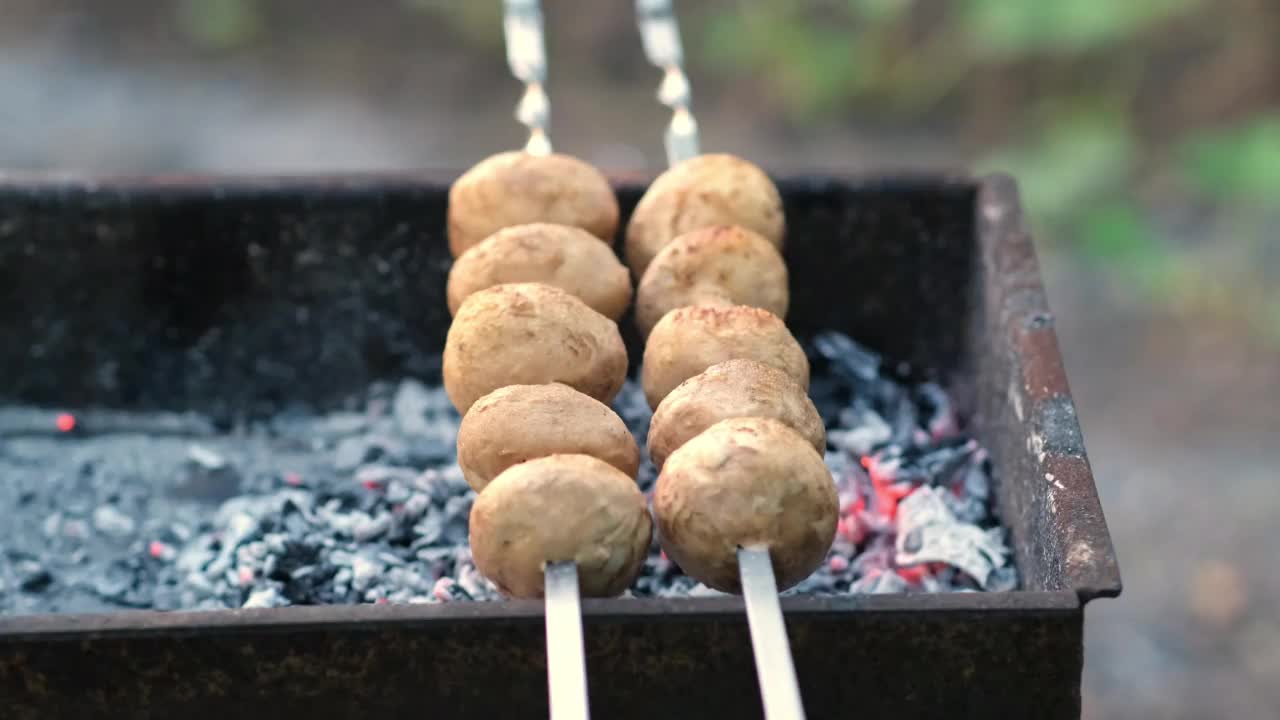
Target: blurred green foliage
x=1004 y=28
x=1145 y=134
x=219 y=24
x=1237 y=164
x=1055 y=85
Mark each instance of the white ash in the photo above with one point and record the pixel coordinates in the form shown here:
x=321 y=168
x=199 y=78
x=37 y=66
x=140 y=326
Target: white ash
x=367 y=504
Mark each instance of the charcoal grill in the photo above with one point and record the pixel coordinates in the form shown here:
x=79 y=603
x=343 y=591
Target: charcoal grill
x=235 y=296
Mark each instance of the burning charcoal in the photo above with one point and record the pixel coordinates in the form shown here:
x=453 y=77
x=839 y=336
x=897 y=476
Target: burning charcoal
x=206 y=458
x=299 y=426
x=849 y=359
x=370 y=528
x=397 y=491
x=110 y=521
x=195 y=556
x=1002 y=579
x=206 y=475
x=879 y=583
x=52 y=525
x=861 y=430
x=364 y=571
x=266 y=597
x=114 y=583
x=240 y=528
x=431 y=528
x=339 y=425
x=355 y=451
x=928 y=533
x=380 y=477
x=32 y=576
x=633 y=408
x=414 y=507
x=459 y=506
x=475 y=584
x=447 y=590
x=877 y=557
x=940 y=418
x=411 y=406
x=350 y=453
x=922 y=508
x=967 y=509
x=167 y=598
x=457 y=512
x=428 y=450
x=161 y=551
x=384 y=518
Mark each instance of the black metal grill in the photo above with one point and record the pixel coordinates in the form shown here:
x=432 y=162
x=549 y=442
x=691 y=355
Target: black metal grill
x=121 y=283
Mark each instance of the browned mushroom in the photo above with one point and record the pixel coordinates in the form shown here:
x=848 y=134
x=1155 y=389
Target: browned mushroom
x=531 y=334
x=521 y=422
x=745 y=482
x=706 y=190
x=561 y=508
x=718 y=265
x=515 y=188
x=689 y=340
x=569 y=258
x=732 y=389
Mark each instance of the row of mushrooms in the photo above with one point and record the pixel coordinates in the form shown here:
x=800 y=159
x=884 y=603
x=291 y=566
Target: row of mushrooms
x=534 y=357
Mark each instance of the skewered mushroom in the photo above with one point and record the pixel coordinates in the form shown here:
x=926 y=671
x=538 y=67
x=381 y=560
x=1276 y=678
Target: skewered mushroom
x=745 y=482
x=718 y=265
x=732 y=389
x=515 y=188
x=689 y=340
x=530 y=334
x=702 y=191
x=521 y=422
x=569 y=258
x=560 y=508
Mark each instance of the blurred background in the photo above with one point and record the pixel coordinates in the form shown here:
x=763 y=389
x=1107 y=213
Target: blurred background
x=1145 y=134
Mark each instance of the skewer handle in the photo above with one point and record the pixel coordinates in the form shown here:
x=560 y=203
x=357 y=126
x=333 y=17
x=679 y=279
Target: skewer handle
x=774 y=669
x=566 y=659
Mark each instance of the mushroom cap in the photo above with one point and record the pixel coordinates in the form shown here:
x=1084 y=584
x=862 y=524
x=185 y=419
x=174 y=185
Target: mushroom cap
x=521 y=422
x=732 y=389
x=717 y=265
x=688 y=340
x=530 y=334
x=715 y=189
x=557 y=508
x=515 y=188
x=745 y=482
x=569 y=258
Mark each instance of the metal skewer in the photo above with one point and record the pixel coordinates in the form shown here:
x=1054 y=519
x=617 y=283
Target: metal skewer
x=566 y=659
x=527 y=57
x=661 y=38
x=774 y=668
x=775 y=671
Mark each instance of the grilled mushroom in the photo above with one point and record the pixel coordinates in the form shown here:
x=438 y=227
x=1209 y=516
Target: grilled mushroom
x=560 y=508
x=515 y=188
x=746 y=482
x=530 y=334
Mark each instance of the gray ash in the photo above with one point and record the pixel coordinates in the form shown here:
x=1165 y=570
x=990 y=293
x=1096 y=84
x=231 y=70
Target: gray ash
x=367 y=505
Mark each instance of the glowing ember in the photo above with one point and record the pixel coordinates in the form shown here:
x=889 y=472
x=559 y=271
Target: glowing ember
x=66 y=422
